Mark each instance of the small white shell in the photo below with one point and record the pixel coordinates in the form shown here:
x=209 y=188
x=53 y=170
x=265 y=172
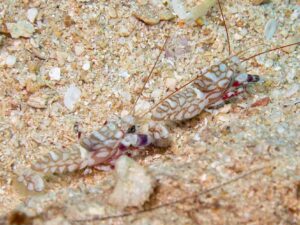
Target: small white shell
x=270 y=29
x=31 y=14
x=54 y=73
x=71 y=97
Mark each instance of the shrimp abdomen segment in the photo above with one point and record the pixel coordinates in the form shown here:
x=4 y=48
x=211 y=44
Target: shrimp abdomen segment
x=62 y=161
x=181 y=106
x=202 y=92
x=189 y=102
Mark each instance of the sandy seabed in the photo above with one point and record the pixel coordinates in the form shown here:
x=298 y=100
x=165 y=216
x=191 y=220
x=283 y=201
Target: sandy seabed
x=102 y=49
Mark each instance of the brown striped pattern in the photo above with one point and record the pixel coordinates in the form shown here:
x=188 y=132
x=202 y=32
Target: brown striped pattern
x=61 y=161
x=105 y=137
x=202 y=92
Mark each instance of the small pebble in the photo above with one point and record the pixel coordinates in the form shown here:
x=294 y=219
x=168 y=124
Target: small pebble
x=68 y=21
x=197 y=137
x=261 y=147
x=166 y=15
x=201 y=9
x=259 y=2
x=203 y=177
x=156 y=94
x=269 y=63
x=129 y=119
x=31 y=14
x=179 y=9
x=20 y=29
x=244 y=32
x=171 y=83
x=123 y=31
x=37 y=101
x=134 y=184
x=125 y=96
x=61 y=57
x=142 y=106
x=86 y=66
x=124 y=74
x=270 y=29
x=147 y=14
x=237 y=37
x=112 y=12
x=54 y=73
x=122 y=40
x=198 y=11
x=151 y=15
x=280 y=129
x=10 y=60
x=79 y=49
x=71 y=97
x=32 y=86
x=33 y=67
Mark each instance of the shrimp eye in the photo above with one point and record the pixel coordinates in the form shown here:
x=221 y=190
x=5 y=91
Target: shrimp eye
x=131 y=129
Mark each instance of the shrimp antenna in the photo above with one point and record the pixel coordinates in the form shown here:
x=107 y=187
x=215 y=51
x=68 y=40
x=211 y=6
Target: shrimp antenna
x=148 y=77
x=269 y=50
x=236 y=54
x=184 y=85
x=226 y=29
x=214 y=188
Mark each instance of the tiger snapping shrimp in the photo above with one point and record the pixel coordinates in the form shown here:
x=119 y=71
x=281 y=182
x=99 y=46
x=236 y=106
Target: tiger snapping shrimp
x=211 y=88
x=126 y=136
x=100 y=150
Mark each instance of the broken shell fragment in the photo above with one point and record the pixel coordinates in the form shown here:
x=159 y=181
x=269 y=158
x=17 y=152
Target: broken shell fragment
x=194 y=13
x=151 y=16
x=202 y=9
x=38 y=102
x=11 y=60
x=166 y=15
x=20 y=29
x=270 y=29
x=134 y=184
x=261 y=102
x=32 y=14
x=71 y=97
x=147 y=15
x=54 y=73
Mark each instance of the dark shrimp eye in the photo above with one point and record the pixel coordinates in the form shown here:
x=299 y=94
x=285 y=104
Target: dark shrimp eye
x=131 y=129
x=253 y=78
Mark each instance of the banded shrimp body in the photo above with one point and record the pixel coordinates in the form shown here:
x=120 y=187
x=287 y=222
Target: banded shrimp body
x=221 y=161
x=104 y=146
x=209 y=89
